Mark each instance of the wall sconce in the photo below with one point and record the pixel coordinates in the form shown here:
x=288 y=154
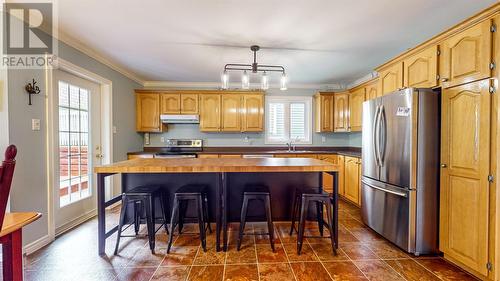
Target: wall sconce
x=32 y=89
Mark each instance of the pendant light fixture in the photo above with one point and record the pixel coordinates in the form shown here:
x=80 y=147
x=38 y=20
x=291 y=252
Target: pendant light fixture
x=245 y=80
x=264 y=82
x=254 y=68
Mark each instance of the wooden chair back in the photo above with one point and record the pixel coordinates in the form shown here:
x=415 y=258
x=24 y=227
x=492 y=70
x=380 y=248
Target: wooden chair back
x=6 y=174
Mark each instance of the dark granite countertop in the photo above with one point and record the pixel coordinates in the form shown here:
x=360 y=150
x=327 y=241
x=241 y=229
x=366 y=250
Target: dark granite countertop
x=342 y=150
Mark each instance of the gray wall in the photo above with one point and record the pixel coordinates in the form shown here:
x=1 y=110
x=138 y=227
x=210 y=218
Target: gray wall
x=29 y=190
x=254 y=139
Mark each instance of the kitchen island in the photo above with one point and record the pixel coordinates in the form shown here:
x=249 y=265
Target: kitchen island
x=225 y=178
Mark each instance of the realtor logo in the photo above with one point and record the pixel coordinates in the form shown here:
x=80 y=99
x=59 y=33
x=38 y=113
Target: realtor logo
x=28 y=28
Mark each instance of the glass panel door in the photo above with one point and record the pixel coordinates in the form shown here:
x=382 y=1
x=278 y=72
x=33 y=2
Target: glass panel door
x=77 y=133
x=73 y=143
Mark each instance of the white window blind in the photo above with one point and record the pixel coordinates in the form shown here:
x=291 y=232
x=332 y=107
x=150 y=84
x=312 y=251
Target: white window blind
x=288 y=120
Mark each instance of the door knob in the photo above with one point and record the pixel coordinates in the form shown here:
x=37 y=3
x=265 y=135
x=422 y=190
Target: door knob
x=443 y=166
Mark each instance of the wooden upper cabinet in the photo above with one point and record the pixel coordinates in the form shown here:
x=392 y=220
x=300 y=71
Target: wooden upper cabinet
x=356 y=99
x=466 y=56
x=231 y=112
x=372 y=90
x=252 y=114
x=465 y=159
x=390 y=78
x=210 y=112
x=341 y=112
x=189 y=104
x=420 y=70
x=147 y=112
x=324 y=112
x=170 y=103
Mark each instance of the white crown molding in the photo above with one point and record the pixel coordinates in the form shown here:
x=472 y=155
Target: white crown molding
x=71 y=41
x=216 y=85
x=359 y=81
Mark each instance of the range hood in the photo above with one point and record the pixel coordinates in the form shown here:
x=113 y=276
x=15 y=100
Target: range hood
x=180 y=119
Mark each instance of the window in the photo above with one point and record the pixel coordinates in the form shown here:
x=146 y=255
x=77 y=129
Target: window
x=73 y=143
x=288 y=119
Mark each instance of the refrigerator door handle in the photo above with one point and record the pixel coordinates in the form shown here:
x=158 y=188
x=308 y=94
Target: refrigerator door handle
x=375 y=135
x=383 y=132
x=401 y=194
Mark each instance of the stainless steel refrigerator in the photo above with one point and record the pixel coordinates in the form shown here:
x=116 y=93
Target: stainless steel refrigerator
x=400 y=168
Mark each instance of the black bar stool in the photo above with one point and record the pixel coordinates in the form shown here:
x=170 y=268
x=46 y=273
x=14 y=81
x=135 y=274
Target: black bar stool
x=183 y=195
x=260 y=193
x=296 y=208
x=308 y=196
x=143 y=199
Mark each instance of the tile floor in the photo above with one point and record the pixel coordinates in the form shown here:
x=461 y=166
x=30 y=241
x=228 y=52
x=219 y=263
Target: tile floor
x=363 y=255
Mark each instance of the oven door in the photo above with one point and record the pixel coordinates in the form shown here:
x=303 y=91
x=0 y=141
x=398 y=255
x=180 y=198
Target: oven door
x=386 y=209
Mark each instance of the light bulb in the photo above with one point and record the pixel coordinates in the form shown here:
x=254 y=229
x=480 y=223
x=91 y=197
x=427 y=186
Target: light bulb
x=264 y=82
x=283 y=82
x=225 y=80
x=245 y=80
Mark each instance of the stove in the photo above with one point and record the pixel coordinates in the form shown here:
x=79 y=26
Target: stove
x=181 y=148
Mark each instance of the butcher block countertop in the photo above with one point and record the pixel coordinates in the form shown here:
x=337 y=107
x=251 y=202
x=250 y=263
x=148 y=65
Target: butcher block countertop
x=217 y=165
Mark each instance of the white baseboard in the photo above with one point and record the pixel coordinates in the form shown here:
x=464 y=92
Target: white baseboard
x=45 y=240
x=77 y=221
x=37 y=245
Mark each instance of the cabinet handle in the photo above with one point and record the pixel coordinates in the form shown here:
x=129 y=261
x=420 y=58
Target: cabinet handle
x=443 y=166
x=444 y=79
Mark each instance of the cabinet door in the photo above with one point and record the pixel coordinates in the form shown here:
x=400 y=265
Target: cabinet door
x=253 y=113
x=356 y=100
x=390 y=79
x=372 y=91
x=189 y=103
x=352 y=179
x=341 y=112
x=327 y=178
x=147 y=107
x=208 y=156
x=210 y=112
x=229 y=155
x=324 y=113
x=170 y=103
x=420 y=70
x=467 y=55
x=465 y=158
x=231 y=113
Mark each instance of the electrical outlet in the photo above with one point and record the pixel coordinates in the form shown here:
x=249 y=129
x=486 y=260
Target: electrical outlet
x=162 y=139
x=35 y=124
x=323 y=139
x=114 y=129
x=247 y=139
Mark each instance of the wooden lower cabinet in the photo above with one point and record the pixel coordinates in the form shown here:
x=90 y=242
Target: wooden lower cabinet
x=352 y=173
x=327 y=178
x=229 y=155
x=136 y=156
x=465 y=162
x=204 y=156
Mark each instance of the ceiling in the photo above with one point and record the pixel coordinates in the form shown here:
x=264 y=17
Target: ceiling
x=318 y=41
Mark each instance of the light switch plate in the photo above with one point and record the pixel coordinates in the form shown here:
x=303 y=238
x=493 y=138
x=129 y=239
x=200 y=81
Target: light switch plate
x=323 y=139
x=35 y=124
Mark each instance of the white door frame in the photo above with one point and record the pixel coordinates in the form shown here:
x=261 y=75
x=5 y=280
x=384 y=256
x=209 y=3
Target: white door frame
x=106 y=132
